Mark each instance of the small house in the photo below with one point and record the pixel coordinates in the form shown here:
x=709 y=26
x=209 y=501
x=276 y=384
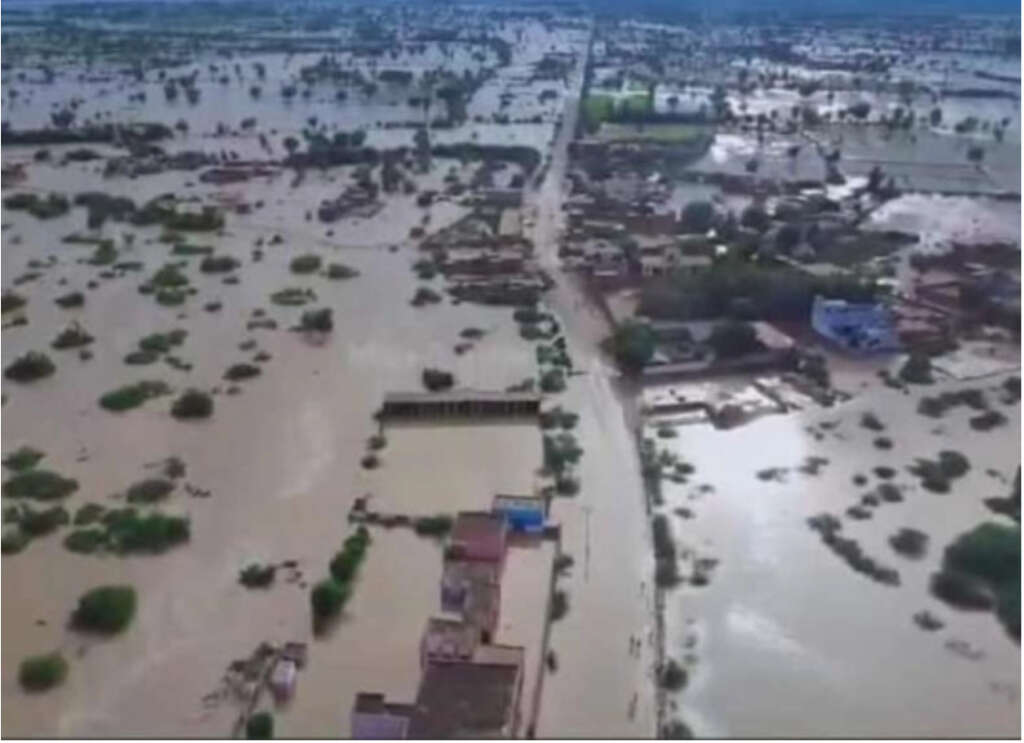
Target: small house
x=283 y=678
x=478 y=535
x=524 y=513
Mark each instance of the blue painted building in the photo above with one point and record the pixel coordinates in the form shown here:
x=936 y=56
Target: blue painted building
x=524 y=513
x=856 y=327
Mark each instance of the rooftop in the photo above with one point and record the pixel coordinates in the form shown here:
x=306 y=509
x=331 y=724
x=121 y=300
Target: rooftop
x=476 y=526
x=517 y=501
x=469 y=700
x=460 y=395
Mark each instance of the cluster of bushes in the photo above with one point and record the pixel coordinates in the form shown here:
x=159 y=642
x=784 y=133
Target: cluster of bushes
x=293 y=297
x=552 y=381
x=317 y=321
x=909 y=542
x=105 y=610
x=192 y=404
x=150 y=490
x=828 y=528
x=260 y=726
x=558 y=418
x=126 y=531
x=339 y=271
x=438 y=380
x=981 y=570
x=631 y=345
x=70 y=300
x=666 y=570
x=257 y=576
x=29 y=367
x=132 y=395
x=560 y=452
x=433 y=526
x=425 y=295
x=10 y=301
x=240 y=371
x=935 y=475
x=936 y=407
x=218 y=264
x=42 y=485
x=917 y=369
x=770 y=293
x=42 y=672
x=306 y=263
x=23 y=458
x=53 y=205
x=329 y=596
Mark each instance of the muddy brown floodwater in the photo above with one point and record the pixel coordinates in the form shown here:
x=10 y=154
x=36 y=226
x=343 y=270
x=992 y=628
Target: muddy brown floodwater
x=786 y=639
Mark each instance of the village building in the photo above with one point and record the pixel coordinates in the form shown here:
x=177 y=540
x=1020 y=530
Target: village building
x=467 y=404
x=374 y=718
x=862 y=327
x=524 y=513
x=478 y=535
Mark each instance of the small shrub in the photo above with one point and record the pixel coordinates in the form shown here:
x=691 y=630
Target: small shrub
x=163 y=342
x=327 y=599
x=559 y=605
x=433 y=526
x=192 y=404
x=961 y=590
x=106 y=609
x=170 y=297
x=42 y=672
x=132 y=395
x=425 y=295
x=552 y=381
x=13 y=541
x=237 y=372
x=885 y=473
x=437 y=380
x=672 y=676
x=39 y=485
x=909 y=543
x=377 y=442
x=871 y=422
x=45 y=521
x=30 y=367
x=260 y=726
x=70 y=300
x=23 y=458
x=676 y=729
x=318 y=321
x=88 y=513
x=85 y=541
x=917 y=369
x=293 y=297
x=218 y=264
x=140 y=358
x=307 y=263
x=883 y=442
x=987 y=421
x=73 y=336
x=10 y=301
x=339 y=271
x=147 y=491
x=127 y=532
x=257 y=576
x=370 y=462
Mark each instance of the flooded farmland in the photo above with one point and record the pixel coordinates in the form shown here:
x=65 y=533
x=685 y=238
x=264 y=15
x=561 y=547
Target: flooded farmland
x=528 y=371
x=784 y=620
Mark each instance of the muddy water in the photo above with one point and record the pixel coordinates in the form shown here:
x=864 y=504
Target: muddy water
x=281 y=460
x=787 y=641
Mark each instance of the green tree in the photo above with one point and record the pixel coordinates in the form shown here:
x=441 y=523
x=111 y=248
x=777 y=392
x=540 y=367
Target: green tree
x=632 y=344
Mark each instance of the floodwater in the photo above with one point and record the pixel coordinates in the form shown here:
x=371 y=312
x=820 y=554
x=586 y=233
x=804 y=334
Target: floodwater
x=786 y=640
x=281 y=460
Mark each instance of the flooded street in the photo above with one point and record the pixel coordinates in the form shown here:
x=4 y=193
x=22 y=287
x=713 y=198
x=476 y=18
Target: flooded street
x=786 y=639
